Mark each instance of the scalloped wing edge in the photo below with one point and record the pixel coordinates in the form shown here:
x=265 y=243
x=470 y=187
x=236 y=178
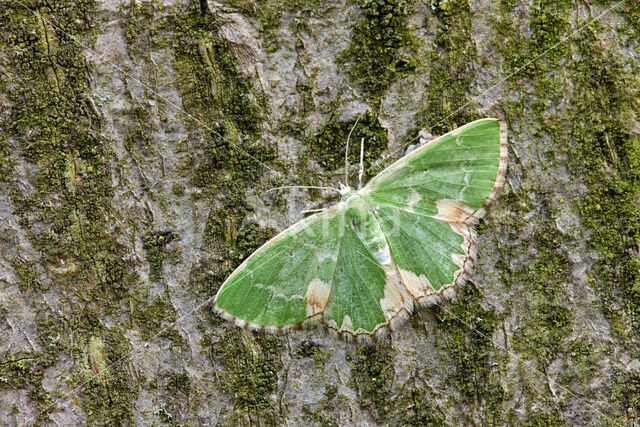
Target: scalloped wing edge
x=380 y=332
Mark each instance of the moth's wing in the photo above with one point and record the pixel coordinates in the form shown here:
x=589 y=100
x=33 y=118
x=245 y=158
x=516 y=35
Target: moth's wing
x=334 y=267
x=287 y=281
x=347 y=265
x=366 y=294
x=426 y=204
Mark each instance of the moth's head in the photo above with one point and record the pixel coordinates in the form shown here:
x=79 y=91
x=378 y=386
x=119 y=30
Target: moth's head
x=345 y=191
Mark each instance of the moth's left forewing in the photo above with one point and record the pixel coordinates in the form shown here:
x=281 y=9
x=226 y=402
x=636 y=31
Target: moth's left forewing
x=428 y=202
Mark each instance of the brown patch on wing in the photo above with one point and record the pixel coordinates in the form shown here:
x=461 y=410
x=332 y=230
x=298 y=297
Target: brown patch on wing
x=317 y=297
x=458 y=216
x=453 y=212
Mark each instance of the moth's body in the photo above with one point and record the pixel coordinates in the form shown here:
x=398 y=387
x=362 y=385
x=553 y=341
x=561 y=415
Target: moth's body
x=360 y=266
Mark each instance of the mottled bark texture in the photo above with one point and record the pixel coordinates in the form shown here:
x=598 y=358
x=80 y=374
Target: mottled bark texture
x=138 y=140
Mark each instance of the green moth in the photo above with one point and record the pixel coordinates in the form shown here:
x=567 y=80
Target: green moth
x=360 y=267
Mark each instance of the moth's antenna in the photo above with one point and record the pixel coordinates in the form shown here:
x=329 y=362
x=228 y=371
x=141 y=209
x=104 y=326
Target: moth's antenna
x=346 y=152
x=302 y=186
x=361 y=167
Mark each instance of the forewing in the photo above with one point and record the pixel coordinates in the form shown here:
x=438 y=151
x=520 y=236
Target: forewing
x=463 y=166
x=335 y=267
x=288 y=280
x=426 y=203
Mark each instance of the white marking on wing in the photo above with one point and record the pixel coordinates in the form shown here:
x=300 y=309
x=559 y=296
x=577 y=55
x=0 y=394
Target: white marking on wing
x=272 y=291
x=347 y=325
x=378 y=238
x=414 y=198
x=323 y=256
x=393 y=300
x=457 y=214
x=383 y=256
x=467 y=174
x=453 y=212
x=458 y=259
x=418 y=286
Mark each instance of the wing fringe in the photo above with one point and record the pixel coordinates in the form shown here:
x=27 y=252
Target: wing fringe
x=381 y=332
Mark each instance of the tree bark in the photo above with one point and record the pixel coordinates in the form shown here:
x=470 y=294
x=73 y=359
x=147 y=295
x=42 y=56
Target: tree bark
x=138 y=142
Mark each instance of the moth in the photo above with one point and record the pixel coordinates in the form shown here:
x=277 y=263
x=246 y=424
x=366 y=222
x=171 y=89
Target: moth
x=360 y=267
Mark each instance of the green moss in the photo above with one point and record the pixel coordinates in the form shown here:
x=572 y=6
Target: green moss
x=607 y=157
x=6 y=161
x=546 y=319
x=210 y=81
x=252 y=362
x=417 y=406
x=466 y=337
x=172 y=334
x=630 y=11
x=151 y=317
x=230 y=160
x=326 y=146
x=155 y=245
x=178 y=190
x=592 y=136
x=581 y=365
x=108 y=395
x=312 y=350
x=97 y=356
x=232 y=241
x=549 y=23
x=382 y=47
x=136 y=17
x=451 y=67
x=22 y=371
x=328 y=408
x=537 y=417
x=58 y=133
x=372 y=376
x=539 y=260
x=179 y=382
x=27 y=275
x=270 y=12
x=138 y=135
x=625 y=391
